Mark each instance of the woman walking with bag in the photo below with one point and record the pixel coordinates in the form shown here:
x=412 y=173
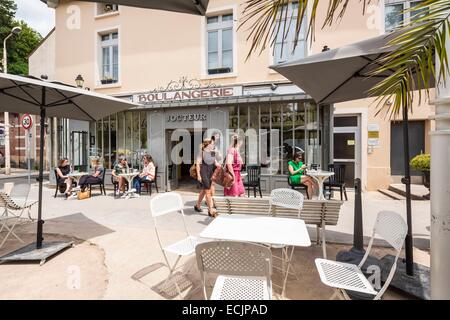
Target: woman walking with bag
x=205 y=166
x=233 y=165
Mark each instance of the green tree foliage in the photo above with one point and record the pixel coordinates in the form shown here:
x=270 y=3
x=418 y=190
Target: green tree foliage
x=19 y=46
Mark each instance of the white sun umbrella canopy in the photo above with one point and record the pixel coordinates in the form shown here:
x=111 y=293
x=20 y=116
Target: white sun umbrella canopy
x=197 y=7
x=340 y=74
x=30 y=95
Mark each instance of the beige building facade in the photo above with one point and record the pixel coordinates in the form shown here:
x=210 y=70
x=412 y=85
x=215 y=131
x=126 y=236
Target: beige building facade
x=192 y=73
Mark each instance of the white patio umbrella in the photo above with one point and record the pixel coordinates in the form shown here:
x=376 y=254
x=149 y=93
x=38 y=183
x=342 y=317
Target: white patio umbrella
x=183 y=6
x=341 y=75
x=31 y=95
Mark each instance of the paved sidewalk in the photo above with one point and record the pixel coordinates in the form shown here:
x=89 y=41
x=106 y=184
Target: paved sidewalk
x=116 y=240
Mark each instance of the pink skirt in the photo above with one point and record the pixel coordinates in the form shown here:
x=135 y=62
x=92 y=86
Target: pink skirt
x=237 y=189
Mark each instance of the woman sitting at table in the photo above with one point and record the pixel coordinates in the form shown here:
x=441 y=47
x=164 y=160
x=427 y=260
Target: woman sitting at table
x=96 y=177
x=296 y=174
x=62 y=179
x=147 y=174
x=120 y=167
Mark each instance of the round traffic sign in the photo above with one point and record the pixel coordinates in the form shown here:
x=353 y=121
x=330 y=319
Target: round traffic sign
x=27 y=121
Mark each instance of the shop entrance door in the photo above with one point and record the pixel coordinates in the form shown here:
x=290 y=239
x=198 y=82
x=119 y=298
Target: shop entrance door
x=178 y=176
x=346 y=144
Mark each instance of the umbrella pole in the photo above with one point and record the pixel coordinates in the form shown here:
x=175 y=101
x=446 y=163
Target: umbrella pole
x=407 y=182
x=40 y=222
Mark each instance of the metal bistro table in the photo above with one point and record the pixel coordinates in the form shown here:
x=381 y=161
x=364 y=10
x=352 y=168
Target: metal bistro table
x=131 y=192
x=260 y=229
x=320 y=176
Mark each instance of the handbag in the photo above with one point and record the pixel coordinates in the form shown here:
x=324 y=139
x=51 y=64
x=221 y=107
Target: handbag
x=81 y=195
x=228 y=180
x=222 y=176
x=193 y=171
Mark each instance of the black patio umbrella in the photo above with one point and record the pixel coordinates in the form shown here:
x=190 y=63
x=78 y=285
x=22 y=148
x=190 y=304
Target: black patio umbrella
x=31 y=95
x=197 y=7
x=341 y=75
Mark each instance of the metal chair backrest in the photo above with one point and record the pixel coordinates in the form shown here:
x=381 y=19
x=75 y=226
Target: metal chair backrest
x=103 y=175
x=253 y=173
x=156 y=175
x=234 y=258
x=165 y=203
x=339 y=172
x=20 y=191
x=7 y=202
x=393 y=229
x=286 y=198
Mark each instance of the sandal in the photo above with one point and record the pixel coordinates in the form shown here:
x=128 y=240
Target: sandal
x=197 y=209
x=212 y=213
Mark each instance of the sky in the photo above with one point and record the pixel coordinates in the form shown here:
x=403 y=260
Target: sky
x=36 y=14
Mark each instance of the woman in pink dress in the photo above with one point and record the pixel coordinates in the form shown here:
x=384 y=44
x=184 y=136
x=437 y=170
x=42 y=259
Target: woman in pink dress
x=234 y=165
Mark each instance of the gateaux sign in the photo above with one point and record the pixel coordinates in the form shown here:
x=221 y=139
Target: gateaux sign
x=191 y=94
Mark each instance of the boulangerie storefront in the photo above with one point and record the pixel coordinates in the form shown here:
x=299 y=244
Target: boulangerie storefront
x=274 y=120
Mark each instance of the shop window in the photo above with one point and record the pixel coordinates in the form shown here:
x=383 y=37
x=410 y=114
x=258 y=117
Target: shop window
x=220 y=33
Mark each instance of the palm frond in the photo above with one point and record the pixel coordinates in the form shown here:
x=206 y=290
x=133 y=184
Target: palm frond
x=268 y=19
x=420 y=43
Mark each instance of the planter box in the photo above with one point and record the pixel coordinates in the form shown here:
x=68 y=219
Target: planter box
x=107 y=81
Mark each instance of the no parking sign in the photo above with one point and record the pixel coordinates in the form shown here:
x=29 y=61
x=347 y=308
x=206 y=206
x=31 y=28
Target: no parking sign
x=27 y=121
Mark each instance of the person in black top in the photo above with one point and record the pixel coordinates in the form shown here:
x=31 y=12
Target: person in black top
x=62 y=179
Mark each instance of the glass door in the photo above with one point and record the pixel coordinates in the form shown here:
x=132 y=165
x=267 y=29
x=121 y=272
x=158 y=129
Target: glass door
x=346 y=144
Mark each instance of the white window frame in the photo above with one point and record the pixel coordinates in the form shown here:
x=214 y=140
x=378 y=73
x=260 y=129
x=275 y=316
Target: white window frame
x=212 y=12
x=99 y=56
x=290 y=39
x=406 y=15
x=98 y=15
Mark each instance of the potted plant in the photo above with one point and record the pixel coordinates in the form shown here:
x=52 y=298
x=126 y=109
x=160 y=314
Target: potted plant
x=421 y=162
x=107 y=80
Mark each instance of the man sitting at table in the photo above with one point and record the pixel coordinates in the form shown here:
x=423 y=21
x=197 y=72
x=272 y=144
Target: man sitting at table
x=120 y=167
x=296 y=174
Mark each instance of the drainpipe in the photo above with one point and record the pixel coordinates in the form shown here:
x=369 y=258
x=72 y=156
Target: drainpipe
x=440 y=193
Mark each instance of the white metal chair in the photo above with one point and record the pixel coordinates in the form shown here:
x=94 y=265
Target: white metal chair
x=9 y=220
x=291 y=199
x=161 y=205
x=344 y=276
x=20 y=197
x=244 y=270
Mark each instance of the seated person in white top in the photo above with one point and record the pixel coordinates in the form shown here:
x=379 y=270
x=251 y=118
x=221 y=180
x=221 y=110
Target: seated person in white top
x=148 y=173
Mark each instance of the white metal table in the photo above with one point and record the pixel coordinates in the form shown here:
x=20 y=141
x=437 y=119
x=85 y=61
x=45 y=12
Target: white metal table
x=75 y=175
x=131 y=192
x=320 y=176
x=260 y=229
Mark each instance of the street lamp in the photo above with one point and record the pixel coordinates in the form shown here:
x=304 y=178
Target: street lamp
x=14 y=31
x=79 y=81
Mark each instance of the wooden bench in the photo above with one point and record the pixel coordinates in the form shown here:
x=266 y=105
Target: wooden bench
x=321 y=213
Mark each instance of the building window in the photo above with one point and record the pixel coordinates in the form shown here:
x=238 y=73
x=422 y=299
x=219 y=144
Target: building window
x=397 y=13
x=105 y=8
x=109 y=58
x=285 y=48
x=282 y=130
x=220 y=32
